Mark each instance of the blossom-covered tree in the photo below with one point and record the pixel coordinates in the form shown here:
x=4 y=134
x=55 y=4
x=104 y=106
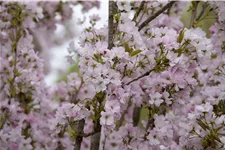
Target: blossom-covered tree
x=143 y=63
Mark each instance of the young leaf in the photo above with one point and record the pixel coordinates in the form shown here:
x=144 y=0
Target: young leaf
x=135 y=52
x=181 y=36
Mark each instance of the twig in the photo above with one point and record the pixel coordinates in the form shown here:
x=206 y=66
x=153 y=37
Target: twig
x=95 y=138
x=139 y=10
x=123 y=115
x=3 y=86
x=155 y=15
x=103 y=143
x=148 y=125
x=74 y=97
x=150 y=120
x=87 y=134
x=140 y=18
x=14 y=50
x=194 y=12
x=146 y=74
x=124 y=72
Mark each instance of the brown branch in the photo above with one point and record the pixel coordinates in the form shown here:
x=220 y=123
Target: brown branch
x=3 y=86
x=139 y=10
x=155 y=15
x=136 y=115
x=123 y=115
x=146 y=74
x=95 y=139
x=111 y=26
x=74 y=97
x=142 y=15
x=124 y=72
x=103 y=143
x=87 y=134
x=79 y=139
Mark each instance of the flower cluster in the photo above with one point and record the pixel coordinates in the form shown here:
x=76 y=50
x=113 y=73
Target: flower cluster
x=26 y=103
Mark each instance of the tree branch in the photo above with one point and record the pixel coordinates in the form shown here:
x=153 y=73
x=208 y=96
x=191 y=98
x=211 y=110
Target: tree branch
x=123 y=115
x=155 y=15
x=79 y=139
x=136 y=115
x=88 y=134
x=111 y=26
x=95 y=139
x=139 y=10
x=146 y=74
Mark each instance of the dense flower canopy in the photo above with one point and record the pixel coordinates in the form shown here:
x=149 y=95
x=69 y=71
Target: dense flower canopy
x=145 y=81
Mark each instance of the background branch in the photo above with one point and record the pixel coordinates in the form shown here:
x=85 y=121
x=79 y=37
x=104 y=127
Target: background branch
x=136 y=115
x=111 y=26
x=120 y=123
x=155 y=15
x=139 y=10
x=193 y=15
x=146 y=74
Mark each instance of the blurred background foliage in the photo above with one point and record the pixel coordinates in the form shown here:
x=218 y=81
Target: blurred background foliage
x=207 y=19
x=73 y=68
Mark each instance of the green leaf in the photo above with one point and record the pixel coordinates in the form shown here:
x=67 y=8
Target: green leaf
x=93 y=116
x=117 y=17
x=115 y=60
x=127 y=48
x=213 y=56
x=72 y=133
x=181 y=36
x=179 y=51
x=17 y=73
x=192 y=7
x=135 y=52
x=9 y=80
x=128 y=73
x=98 y=58
x=204 y=142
